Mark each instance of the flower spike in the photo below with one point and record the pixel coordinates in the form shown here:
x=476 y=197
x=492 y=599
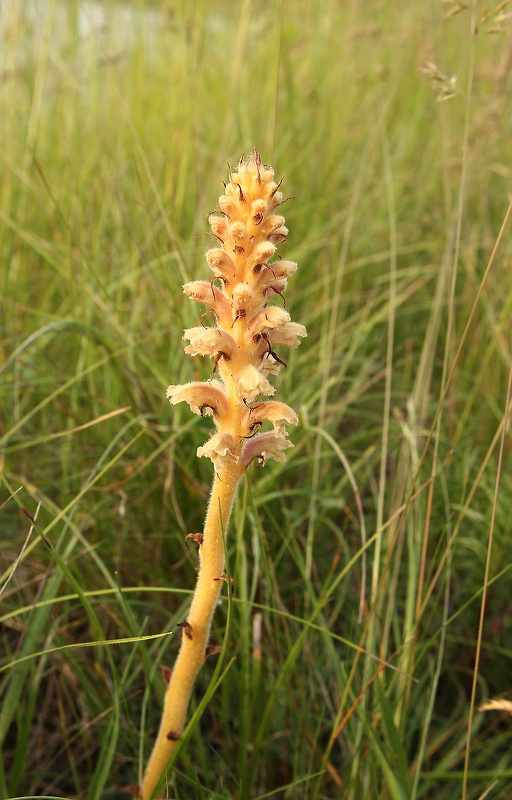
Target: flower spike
x=246 y=295
x=247 y=328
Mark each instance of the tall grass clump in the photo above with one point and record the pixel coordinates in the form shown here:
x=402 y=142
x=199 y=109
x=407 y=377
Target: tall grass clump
x=365 y=650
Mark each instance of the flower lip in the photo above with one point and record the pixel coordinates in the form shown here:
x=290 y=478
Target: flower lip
x=219 y=228
x=205 y=292
x=228 y=205
x=263 y=446
x=270 y=273
x=221 y=264
x=209 y=342
x=262 y=252
x=220 y=448
x=279 y=235
x=272 y=410
x=287 y=334
x=201 y=397
x=238 y=232
x=252 y=382
x=243 y=294
x=268 y=318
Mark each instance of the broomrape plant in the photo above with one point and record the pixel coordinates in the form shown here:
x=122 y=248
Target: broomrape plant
x=242 y=345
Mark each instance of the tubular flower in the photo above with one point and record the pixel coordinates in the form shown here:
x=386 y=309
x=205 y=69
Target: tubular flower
x=277 y=413
x=247 y=327
x=220 y=448
x=269 y=444
x=245 y=295
x=203 y=398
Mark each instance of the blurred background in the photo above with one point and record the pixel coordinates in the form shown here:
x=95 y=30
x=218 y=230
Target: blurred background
x=372 y=569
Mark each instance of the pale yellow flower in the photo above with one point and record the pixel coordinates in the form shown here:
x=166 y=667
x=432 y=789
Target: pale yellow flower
x=203 y=398
x=220 y=448
x=209 y=342
x=269 y=444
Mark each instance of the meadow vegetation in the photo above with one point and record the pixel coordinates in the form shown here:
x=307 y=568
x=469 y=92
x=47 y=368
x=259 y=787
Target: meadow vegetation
x=371 y=612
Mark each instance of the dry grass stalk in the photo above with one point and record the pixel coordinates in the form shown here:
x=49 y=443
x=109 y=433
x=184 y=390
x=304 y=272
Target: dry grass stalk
x=444 y=87
x=497 y=705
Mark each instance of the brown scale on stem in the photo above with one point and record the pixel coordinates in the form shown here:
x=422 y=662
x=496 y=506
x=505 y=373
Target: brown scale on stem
x=212 y=650
x=196 y=537
x=186 y=629
x=166 y=673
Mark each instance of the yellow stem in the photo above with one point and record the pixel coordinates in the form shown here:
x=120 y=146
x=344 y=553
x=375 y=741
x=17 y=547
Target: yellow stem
x=195 y=638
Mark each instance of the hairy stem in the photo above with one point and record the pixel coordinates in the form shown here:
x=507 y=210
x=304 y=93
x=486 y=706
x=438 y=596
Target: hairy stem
x=197 y=630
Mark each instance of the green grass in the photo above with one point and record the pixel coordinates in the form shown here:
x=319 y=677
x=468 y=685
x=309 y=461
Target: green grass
x=368 y=556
